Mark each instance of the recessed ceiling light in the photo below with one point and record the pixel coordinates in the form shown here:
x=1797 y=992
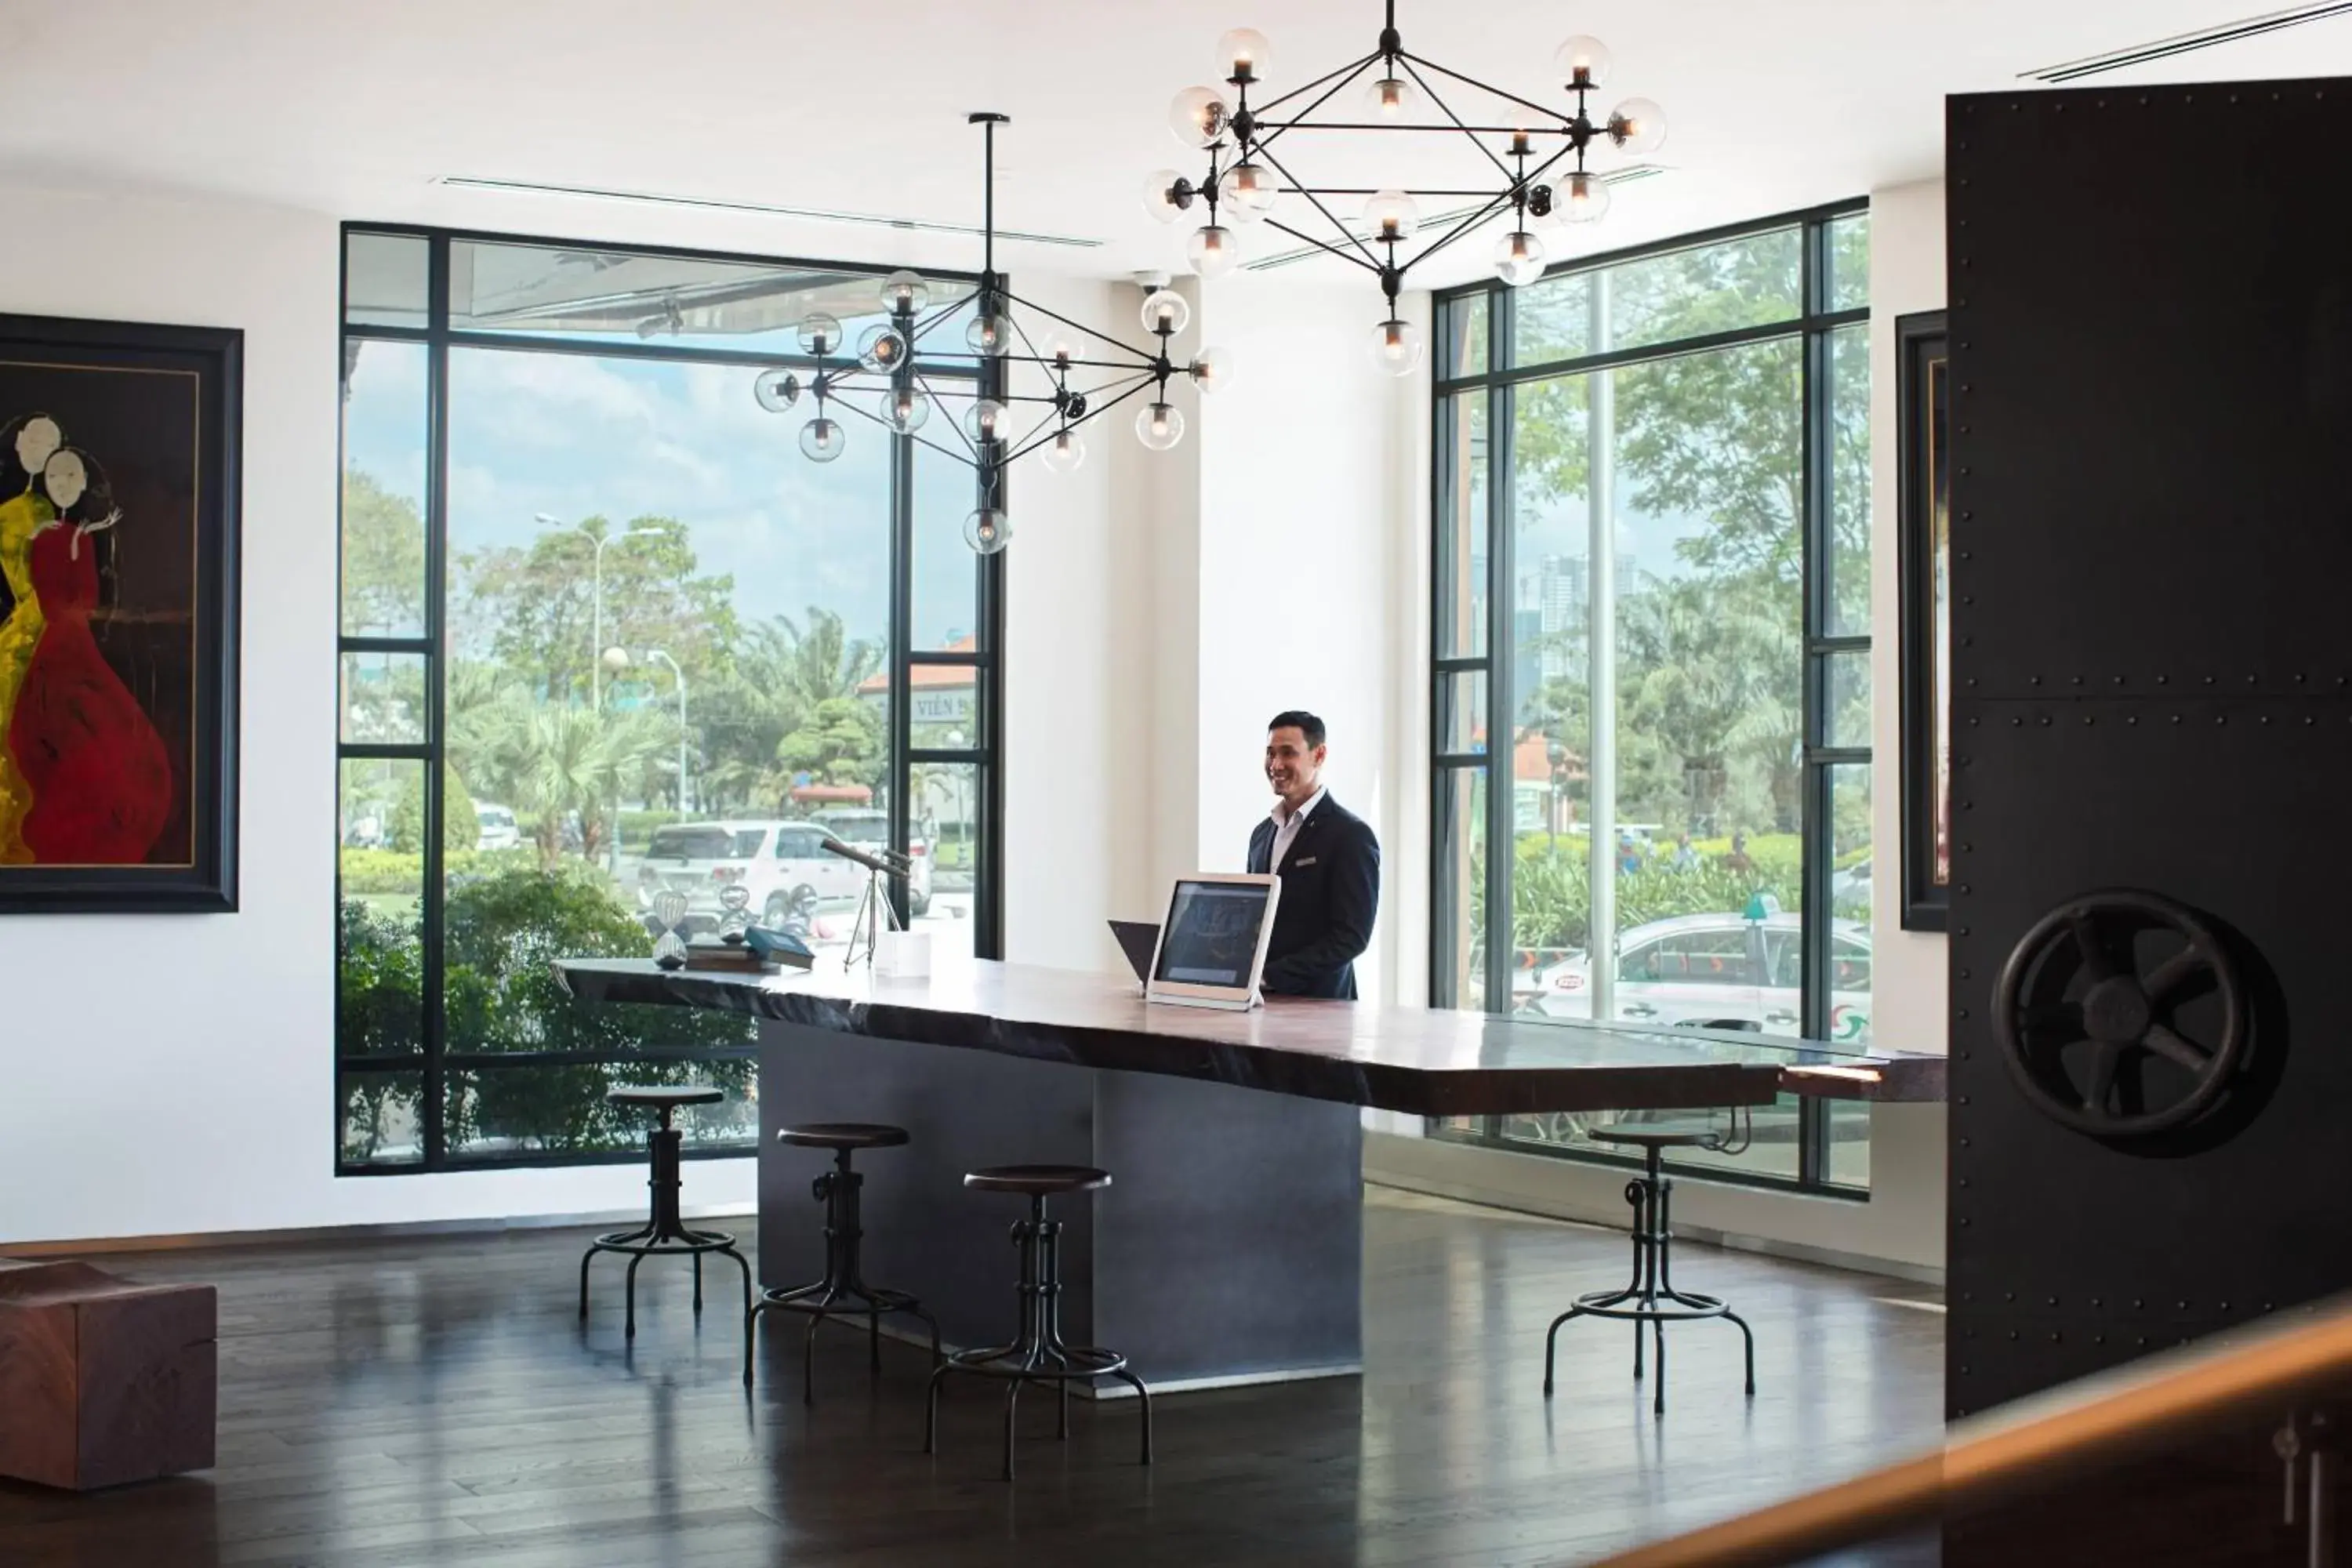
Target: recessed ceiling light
x=808 y=214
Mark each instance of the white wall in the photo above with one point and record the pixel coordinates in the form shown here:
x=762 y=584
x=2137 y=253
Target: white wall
x=173 y=1075
x=1902 y=1226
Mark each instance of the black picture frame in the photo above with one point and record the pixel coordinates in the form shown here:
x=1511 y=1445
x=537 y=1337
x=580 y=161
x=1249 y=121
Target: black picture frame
x=1923 y=548
x=198 y=872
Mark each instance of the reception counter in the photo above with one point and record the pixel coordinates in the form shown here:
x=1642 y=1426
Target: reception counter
x=1228 y=1248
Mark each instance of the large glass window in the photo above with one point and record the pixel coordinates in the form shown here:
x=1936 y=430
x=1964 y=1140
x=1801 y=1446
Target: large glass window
x=606 y=634
x=1652 y=586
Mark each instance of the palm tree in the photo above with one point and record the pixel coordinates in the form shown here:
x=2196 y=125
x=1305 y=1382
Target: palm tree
x=785 y=673
x=552 y=759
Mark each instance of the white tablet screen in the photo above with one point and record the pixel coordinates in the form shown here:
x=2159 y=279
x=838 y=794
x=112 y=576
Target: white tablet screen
x=1211 y=935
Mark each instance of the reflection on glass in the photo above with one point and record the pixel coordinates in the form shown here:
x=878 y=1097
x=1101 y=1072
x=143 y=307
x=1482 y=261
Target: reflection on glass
x=1849 y=241
x=557 y=291
x=379 y=996
x=385 y=279
x=381 y=1123
x=1845 y=717
x=1465 y=337
x=1461 y=711
x=383 y=699
x=1462 y=531
x=1849 y=554
x=525 y=1111
x=1461 y=902
x=943 y=842
x=384 y=489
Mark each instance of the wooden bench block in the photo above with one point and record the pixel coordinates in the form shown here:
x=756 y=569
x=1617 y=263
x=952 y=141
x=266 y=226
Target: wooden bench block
x=104 y=1381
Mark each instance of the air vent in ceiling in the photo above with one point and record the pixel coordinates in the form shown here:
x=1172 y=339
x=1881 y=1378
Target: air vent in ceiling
x=2186 y=43
x=810 y=215
x=1626 y=176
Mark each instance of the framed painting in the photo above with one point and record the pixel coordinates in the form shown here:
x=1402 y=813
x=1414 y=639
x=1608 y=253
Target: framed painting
x=119 y=487
x=1924 y=554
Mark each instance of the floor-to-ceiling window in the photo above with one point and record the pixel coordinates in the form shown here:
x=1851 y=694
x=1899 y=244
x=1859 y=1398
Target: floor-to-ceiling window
x=607 y=634
x=1650 y=683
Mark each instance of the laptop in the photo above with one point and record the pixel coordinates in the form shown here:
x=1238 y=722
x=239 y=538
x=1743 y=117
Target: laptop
x=1138 y=939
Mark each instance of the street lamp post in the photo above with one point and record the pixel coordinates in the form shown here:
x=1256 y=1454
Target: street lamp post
x=596 y=598
x=679 y=675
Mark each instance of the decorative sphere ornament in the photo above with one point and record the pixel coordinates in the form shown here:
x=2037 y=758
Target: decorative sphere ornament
x=1518 y=258
x=987 y=530
x=1160 y=426
x=819 y=334
x=821 y=439
x=1637 y=126
x=1213 y=250
x=1159 y=195
x=1582 y=61
x=1198 y=116
x=905 y=292
x=1246 y=193
x=1165 y=311
x=1396 y=346
x=1243 y=55
x=1211 y=369
x=1392 y=215
x=985 y=420
x=881 y=348
x=1064 y=452
x=777 y=390
x=905 y=409
x=991 y=333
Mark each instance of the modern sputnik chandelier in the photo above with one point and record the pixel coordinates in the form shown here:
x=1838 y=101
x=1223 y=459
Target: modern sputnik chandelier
x=1540 y=174
x=881 y=380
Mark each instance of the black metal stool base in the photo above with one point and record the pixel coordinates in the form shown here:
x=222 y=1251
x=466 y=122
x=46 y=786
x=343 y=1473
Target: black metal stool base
x=843 y=1292
x=1038 y=1353
x=663 y=1234
x=1651 y=1299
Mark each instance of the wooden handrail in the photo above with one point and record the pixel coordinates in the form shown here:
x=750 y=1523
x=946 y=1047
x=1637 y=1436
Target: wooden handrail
x=2039 y=1443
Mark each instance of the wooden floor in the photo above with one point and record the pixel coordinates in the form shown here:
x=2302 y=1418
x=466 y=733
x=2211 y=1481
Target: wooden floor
x=434 y=1401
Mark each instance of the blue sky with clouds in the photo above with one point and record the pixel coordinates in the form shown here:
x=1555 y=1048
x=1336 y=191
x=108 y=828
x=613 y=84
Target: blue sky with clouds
x=576 y=437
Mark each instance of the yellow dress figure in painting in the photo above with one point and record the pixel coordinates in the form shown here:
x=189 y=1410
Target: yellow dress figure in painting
x=21 y=516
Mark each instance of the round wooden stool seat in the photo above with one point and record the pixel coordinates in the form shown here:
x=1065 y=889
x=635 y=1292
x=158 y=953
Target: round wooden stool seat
x=1661 y=1137
x=665 y=1096
x=843 y=1135
x=1037 y=1181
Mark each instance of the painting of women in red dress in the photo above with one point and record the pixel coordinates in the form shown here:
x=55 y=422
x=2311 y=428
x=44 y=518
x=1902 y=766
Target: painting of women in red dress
x=116 y=596
x=100 y=780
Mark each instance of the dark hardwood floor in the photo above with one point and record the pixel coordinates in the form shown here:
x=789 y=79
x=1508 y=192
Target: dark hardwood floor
x=434 y=1401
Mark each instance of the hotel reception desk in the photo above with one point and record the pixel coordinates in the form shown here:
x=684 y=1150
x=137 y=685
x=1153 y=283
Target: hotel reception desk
x=1229 y=1246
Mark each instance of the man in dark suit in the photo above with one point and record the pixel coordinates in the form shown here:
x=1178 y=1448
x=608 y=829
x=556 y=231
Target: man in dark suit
x=1330 y=864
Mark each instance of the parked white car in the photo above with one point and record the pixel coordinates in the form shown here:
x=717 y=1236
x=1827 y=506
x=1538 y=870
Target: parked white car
x=776 y=860
x=497 y=824
x=870 y=829
x=1714 y=969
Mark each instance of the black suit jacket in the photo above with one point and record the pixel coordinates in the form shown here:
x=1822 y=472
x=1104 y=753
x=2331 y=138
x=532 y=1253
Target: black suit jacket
x=1330 y=891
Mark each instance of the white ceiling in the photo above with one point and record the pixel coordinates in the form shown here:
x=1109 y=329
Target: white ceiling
x=359 y=109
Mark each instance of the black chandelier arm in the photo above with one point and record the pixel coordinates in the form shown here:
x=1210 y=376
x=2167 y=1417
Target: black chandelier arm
x=1074 y=326
x=940 y=316
x=1092 y=414
x=1346 y=71
x=972 y=451
x=1322 y=244
x=1493 y=208
x=1259 y=143
x=1483 y=86
x=1447 y=110
x=872 y=418
x=1371 y=259
x=1073 y=363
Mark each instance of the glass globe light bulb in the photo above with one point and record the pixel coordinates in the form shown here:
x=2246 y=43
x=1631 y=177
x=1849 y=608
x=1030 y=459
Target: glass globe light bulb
x=985 y=420
x=1582 y=61
x=821 y=439
x=1392 y=215
x=1159 y=195
x=819 y=334
x=1518 y=258
x=1244 y=55
x=987 y=530
x=777 y=390
x=1246 y=192
x=1198 y=116
x=1389 y=99
x=905 y=409
x=1211 y=369
x=905 y=291
x=1160 y=426
x=1064 y=452
x=1061 y=352
x=1165 y=308
x=881 y=348
x=1213 y=250
x=1396 y=346
x=1637 y=126
x=1580 y=197
x=991 y=333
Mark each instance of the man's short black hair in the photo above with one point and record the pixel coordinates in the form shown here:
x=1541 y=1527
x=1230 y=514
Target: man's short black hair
x=1298 y=719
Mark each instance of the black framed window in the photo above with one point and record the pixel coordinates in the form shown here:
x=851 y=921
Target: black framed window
x=1649 y=685
x=606 y=632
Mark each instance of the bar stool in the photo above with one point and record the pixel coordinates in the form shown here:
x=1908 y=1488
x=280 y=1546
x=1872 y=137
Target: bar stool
x=663 y=1234
x=1652 y=1297
x=1036 y=1354
x=843 y=1292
